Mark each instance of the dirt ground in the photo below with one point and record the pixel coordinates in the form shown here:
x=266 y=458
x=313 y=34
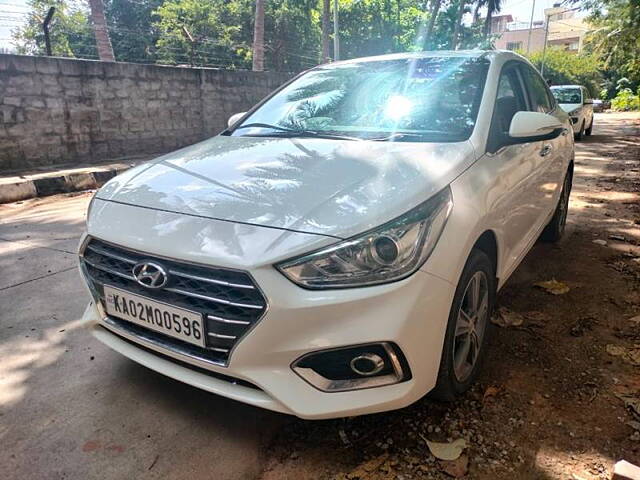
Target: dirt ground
x=556 y=398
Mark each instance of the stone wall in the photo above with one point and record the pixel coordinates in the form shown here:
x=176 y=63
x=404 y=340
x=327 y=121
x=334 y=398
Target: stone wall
x=55 y=110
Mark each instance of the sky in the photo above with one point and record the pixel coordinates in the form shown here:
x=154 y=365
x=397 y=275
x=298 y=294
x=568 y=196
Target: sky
x=12 y=13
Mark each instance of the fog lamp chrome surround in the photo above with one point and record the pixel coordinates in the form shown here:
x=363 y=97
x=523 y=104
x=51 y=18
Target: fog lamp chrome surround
x=400 y=373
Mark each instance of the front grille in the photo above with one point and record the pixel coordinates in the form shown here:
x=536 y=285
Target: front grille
x=229 y=300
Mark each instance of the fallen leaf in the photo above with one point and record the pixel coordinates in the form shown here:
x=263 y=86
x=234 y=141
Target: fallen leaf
x=553 y=287
x=633 y=424
x=632 y=403
x=456 y=468
x=507 y=318
x=491 y=391
x=629 y=355
x=446 y=451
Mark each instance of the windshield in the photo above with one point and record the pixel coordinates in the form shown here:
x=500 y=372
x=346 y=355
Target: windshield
x=432 y=99
x=567 y=95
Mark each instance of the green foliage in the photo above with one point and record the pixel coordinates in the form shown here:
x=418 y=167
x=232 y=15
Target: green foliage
x=616 y=38
x=625 y=101
x=562 y=68
x=133 y=34
x=70 y=32
x=220 y=32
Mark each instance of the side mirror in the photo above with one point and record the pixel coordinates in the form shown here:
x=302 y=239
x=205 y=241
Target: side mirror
x=533 y=126
x=233 y=119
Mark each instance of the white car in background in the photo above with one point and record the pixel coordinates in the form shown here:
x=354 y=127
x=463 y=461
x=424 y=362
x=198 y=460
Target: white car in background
x=337 y=250
x=576 y=101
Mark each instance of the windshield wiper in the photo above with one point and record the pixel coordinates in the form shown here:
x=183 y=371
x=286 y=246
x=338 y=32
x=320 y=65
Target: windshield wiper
x=292 y=133
x=402 y=135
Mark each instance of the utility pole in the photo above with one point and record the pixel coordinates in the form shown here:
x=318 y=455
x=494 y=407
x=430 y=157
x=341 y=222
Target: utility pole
x=45 y=27
x=326 y=25
x=533 y=8
x=544 y=48
x=336 y=34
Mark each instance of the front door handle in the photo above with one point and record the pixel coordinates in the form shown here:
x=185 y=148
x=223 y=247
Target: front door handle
x=546 y=150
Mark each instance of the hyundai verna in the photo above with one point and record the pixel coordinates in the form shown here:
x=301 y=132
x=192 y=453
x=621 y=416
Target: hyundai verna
x=337 y=250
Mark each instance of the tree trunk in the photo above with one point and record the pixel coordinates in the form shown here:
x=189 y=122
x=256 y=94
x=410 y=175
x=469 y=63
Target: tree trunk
x=326 y=29
x=258 y=38
x=487 y=23
x=435 y=8
x=456 y=31
x=103 y=42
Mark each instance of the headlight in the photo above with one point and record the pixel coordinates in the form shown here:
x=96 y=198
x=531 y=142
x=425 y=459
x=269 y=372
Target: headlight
x=385 y=254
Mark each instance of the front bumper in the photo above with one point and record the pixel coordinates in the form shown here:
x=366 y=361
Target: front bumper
x=411 y=313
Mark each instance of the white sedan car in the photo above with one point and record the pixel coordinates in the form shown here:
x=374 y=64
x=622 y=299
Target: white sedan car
x=338 y=249
x=575 y=100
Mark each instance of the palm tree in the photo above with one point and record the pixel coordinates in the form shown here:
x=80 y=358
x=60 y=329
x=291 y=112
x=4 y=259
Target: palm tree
x=258 y=38
x=493 y=6
x=103 y=42
x=326 y=25
x=456 y=29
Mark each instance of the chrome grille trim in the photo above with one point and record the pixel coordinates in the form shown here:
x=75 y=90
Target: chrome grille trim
x=230 y=301
x=226 y=320
x=212 y=299
x=219 y=335
x=211 y=280
x=93 y=248
x=110 y=271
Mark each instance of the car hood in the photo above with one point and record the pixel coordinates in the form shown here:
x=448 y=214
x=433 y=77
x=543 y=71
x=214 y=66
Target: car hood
x=568 y=107
x=329 y=187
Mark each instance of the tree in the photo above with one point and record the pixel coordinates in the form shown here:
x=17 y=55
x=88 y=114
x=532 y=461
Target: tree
x=103 y=43
x=258 y=37
x=435 y=8
x=562 y=67
x=70 y=31
x=132 y=30
x=456 y=30
x=493 y=7
x=616 y=38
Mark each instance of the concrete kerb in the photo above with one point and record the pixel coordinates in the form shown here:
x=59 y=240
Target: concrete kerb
x=16 y=188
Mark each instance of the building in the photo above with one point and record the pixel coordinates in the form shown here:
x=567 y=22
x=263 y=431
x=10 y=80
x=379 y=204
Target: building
x=565 y=31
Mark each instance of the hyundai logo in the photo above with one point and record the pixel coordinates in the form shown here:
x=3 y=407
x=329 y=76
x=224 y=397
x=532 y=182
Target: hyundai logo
x=150 y=274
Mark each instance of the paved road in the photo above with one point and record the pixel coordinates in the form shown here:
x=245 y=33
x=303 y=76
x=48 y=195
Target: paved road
x=71 y=408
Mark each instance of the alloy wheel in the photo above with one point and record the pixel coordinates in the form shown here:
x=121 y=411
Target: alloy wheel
x=471 y=323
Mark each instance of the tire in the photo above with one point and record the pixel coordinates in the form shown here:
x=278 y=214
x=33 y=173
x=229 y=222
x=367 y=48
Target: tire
x=555 y=228
x=590 y=129
x=456 y=376
x=578 y=136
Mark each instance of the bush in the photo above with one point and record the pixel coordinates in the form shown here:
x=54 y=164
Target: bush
x=625 y=101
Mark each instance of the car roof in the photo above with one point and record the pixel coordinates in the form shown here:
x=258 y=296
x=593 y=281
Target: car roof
x=488 y=54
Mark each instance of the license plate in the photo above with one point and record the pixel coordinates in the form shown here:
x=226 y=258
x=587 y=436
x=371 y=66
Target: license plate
x=173 y=321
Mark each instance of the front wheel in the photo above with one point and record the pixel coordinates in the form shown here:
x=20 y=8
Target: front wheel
x=590 y=129
x=468 y=328
x=578 y=136
x=555 y=228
